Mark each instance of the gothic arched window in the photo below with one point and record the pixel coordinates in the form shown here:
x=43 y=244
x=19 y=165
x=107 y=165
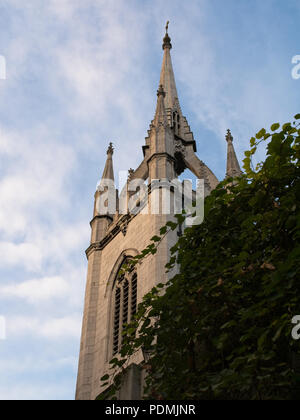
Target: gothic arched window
x=124 y=304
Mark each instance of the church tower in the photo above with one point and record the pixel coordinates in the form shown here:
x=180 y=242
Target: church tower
x=111 y=300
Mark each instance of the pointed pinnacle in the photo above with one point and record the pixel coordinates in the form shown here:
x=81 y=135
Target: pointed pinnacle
x=108 y=172
x=130 y=174
x=233 y=167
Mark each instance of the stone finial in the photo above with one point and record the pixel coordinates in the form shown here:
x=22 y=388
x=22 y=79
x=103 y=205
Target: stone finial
x=110 y=149
x=130 y=174
x=229 y=136
x=167 y=39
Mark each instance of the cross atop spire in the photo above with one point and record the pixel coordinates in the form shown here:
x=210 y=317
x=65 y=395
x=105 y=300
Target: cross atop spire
x=167 y=40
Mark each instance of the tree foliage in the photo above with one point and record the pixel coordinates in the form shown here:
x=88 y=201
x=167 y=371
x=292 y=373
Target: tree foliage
x=221 y=329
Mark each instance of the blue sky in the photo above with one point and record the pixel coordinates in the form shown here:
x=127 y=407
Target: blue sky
x=82 y=74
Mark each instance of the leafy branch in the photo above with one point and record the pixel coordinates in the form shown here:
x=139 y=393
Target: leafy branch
x=221 y=327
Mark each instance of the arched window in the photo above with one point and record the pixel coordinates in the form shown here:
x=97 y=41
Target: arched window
x=125 y=304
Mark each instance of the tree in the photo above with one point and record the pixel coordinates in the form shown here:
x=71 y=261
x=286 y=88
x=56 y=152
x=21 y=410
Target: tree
x=222 y=327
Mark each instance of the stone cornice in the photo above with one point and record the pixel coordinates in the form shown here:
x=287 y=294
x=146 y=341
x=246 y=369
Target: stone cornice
x=112 y=233
x=100 y=216
x=161 y=154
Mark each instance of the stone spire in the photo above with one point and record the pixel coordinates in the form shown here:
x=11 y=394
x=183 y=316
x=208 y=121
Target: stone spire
x=167 y=79
x=233 y=168
x=170 y=145
x=108 y=172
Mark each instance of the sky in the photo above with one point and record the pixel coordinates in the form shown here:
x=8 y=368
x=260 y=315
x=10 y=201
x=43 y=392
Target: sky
x=80 y=74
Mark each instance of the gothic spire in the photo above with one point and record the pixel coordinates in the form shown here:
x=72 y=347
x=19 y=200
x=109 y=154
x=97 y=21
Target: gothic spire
x=167 y=79
x=108 y=172
x=233 y=167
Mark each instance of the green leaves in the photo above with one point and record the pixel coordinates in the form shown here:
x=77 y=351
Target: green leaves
x=220 y=328
x=172 y=225
x=275 y=126
x=260 y=134
x=163 y=230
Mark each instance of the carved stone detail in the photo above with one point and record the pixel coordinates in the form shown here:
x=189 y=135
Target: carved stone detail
x=179 y=147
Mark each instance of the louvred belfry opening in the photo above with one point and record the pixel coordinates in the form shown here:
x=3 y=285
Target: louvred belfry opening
x=125 y=305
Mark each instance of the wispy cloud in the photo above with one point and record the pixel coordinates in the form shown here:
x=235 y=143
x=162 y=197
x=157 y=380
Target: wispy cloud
x=50 y=329
x=81 y=74
x=24 y=254
x=37 y=290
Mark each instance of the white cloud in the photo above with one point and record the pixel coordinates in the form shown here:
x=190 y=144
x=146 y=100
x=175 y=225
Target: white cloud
x=25 y=391
x=63 y=327
x=37 y=290
x=67 y=327
x=63 y=9
x=35 y=177
x=37 y=364
x=25 y=254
